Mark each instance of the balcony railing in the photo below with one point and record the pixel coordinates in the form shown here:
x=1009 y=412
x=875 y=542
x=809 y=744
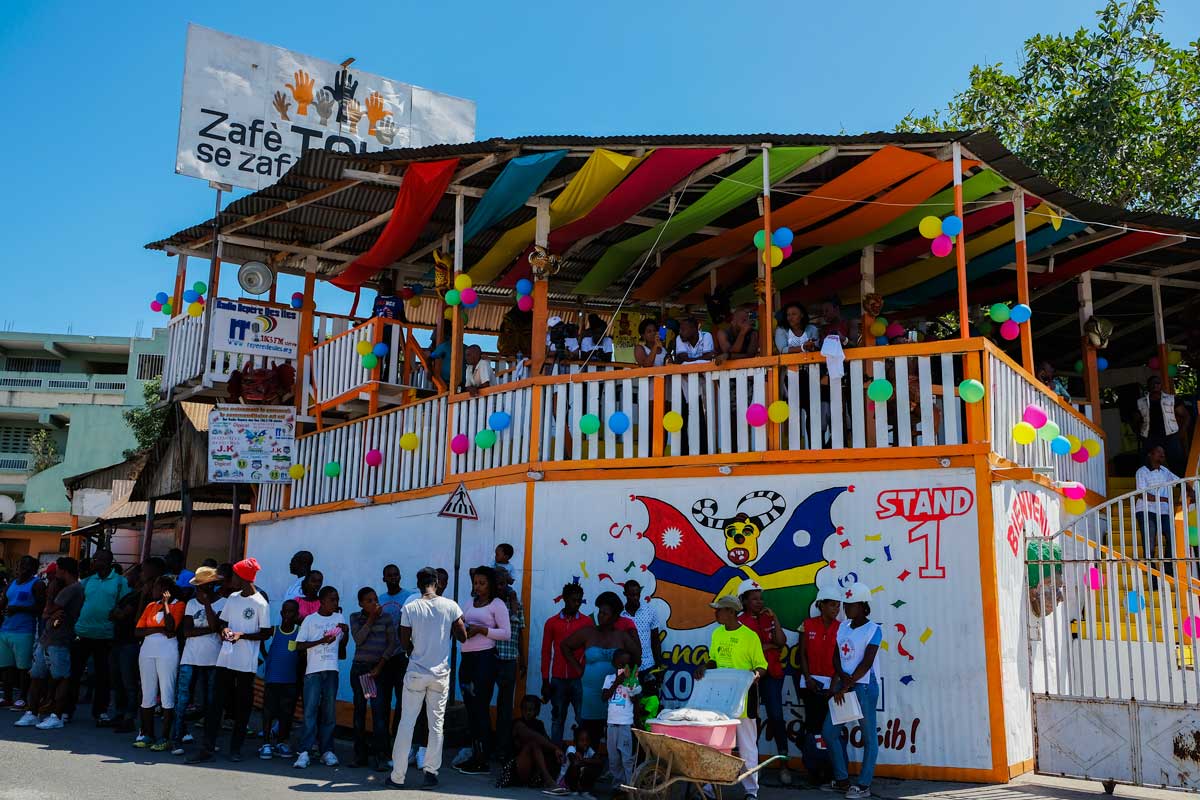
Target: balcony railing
x=61 y=382
x=15 y=462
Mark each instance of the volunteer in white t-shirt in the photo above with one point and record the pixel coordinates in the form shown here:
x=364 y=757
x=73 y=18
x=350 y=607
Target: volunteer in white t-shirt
x=427 y=623
x=323 y=636
x=245 y=622
x=857 y=670
x=201 y=645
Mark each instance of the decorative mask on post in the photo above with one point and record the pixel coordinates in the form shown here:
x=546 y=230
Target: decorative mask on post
x=1098 y=331
x=443 y=266
x=542 y=263
x=741 y=530
x=872 y=304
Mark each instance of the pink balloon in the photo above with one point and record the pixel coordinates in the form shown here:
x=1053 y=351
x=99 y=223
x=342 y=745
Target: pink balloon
x=468 y=296
x=756 y=414
x=1009 y=330
x=374 y=458
x=1191 y=627
x=1074 y=491
x=1034 y=416
x=1153 y=363
x=893 y=330
x=1080 y=455
x=787 y=251
x=155 y=306
x=460 y=443
x=1095 y=578
x=941 y=246
x=525 y=302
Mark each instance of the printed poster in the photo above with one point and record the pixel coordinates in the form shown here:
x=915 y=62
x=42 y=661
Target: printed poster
x=251 y=444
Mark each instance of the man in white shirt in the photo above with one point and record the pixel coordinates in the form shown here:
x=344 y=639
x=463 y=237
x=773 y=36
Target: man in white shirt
x=479 y=372
x=427 y=624
x=692 y=345
x=1155 y=509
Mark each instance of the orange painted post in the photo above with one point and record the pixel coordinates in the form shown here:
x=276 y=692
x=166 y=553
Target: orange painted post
x=766 y=322
x=376 y=337
x=305 y=343
x=976 y=421
x=960 y=247
x=177 y=295
x=541 y=313
x=659 y=409
x=1018 y=202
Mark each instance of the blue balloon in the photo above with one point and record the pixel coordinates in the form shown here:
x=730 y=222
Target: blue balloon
x=471 y=305
x=1060 y=446
x=380 y=350
x=618 y=423
x=1134 y=602
x=952 y=226
x=499 y=420
x=417 y=289
x=297 y=302
x=782 y=237
x=162 y=297
x=524 y=286
x=881 y=340
x=190 y=296
x=1020 y=313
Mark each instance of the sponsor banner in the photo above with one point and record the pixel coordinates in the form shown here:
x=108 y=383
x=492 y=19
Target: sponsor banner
x=239 y=326
x=251 y=444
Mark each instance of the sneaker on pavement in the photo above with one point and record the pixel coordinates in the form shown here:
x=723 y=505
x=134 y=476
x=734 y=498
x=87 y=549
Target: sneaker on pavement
x=391 y=784
x=474 y=768
x=161 y=746
x=27 y=720
x=177 y=750
x=50 y=723
x=301 y=760
x=785 y=777
x=431 y=779
x=855 y=792
x=200 y=756
x=141 y=742
x=188 y=738
x=283 y=751
x=329 y=759
x=265 y=752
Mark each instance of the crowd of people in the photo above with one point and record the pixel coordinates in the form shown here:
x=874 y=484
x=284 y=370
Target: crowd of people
x=171 y=657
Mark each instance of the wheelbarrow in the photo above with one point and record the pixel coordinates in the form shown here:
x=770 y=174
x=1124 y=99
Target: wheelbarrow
x=671 y=761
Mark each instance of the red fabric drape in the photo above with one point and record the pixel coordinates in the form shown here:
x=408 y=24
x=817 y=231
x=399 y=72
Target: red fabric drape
x=424 y=184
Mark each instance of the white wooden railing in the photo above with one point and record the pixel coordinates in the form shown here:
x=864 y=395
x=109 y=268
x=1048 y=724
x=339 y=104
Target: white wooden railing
x=185 y=351
x=470 y=416
x=566 y=401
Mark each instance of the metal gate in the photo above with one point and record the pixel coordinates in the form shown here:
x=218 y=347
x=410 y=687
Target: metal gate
x=1114 y=641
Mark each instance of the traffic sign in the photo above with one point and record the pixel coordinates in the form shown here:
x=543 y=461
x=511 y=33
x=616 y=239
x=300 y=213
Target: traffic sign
x=459 y=505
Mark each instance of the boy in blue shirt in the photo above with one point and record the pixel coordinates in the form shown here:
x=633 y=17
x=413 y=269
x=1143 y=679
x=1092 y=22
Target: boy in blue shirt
x=281 y=677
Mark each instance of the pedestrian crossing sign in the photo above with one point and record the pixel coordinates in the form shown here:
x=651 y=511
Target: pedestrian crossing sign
x=459 y=505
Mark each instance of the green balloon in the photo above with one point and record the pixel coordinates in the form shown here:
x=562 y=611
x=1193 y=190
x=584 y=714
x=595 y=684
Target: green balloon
x=199 y=287
x=370 y=361
x=485 y=438
x=880 y=390
x=166 y=309
x=589 y=424
x=453 y=297
x=1172 y=370
x=1049 y=432
x=333 y=469
x=1079 y=365
x=999 y=312
x=760 y=239
x=971 y=391
x=1193 y=535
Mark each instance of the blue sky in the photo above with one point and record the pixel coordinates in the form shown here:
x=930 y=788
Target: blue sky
x=92 y=100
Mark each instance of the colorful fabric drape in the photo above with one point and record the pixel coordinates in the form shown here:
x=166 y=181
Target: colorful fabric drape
x=516 y=183
x=728 y=194
x=661 y=170
x=603 y=170
x=866 y=179
x=424 y=184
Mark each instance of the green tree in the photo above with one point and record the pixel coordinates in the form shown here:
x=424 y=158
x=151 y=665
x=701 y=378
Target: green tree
x=1111 y=114
x=146 y=421
x=43 y=449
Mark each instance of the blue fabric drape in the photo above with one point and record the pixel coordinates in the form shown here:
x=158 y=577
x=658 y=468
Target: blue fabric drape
x=519 y=179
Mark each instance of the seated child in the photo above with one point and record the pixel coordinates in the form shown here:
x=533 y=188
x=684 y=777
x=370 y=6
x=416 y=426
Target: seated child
x=536 y=755
x=581 y=767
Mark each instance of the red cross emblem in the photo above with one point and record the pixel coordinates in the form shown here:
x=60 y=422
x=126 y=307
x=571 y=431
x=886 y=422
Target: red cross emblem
x=848 y=593
x=847 y=649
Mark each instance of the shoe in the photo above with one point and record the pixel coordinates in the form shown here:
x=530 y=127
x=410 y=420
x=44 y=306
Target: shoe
x=785 y=777
x=463 y=756
x=177 y=750
x=283 y=751
x=474 y=768
x=855 y=792
x=27 y=720
x=265 y=752
x=391 y=784
x=65 y=718
x=188 y=738
x=833 y=786
x=751 y=796
x=235 y=757
x=329 y=759
x=141 y=742
x=557 y=791
x=50 y=723
x=430 y=779
x=301 y=760
x=104 y=720
x=161 y=746
x=200 y=757
x=18 y=705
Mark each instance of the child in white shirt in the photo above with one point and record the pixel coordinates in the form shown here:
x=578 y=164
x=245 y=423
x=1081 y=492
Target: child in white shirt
x=323 y=635
x=618 y=691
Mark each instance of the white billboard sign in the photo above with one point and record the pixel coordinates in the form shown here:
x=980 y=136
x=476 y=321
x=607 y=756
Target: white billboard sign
x=251 y=444
x=250 y=110
x=257 y=329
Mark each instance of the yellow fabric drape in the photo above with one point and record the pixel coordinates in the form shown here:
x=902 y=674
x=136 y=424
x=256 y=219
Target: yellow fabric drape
x=603 y=170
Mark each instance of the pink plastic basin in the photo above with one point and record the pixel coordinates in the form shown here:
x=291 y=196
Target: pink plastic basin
x=719 y=735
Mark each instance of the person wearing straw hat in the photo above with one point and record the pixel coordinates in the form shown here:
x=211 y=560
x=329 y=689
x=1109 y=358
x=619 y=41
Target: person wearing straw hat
x=198 y=630
x=856 y=669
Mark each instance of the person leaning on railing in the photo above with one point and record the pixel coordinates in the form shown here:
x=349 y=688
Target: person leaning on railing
x=649 y=351
x=1155 y=508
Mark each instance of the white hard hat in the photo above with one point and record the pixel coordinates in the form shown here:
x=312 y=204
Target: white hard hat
x=856 y=593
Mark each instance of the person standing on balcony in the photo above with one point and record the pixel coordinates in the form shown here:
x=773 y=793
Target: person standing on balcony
x=479 y=371
x=1047 y=377
x=692 y=345
x=649 y=351
x=387 y=305
x=1159 y=425
x=1155 y=508
x=596 y=345
x=738 y=340
x=101 y=591
x=441 y=352
x=796 y=334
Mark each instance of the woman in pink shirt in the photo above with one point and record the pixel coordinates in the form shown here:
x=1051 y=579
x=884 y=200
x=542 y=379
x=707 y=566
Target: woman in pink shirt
x=487 y=622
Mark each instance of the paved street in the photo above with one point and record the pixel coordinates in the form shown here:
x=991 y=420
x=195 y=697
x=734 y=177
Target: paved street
x=84 y=762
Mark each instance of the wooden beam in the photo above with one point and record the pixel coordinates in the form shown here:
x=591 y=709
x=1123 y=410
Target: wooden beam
x=1101 y=303
x=279 y=247
x=1143 y=280
x=275 y=211
x=1026 y=333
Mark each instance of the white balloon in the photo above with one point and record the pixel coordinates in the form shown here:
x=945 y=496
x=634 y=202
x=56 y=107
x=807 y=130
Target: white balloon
x=8 y=508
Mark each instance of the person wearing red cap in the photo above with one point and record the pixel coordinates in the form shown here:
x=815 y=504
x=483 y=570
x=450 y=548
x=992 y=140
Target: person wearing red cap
x=244 y=622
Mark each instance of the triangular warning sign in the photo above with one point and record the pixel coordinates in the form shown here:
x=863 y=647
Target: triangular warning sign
x=459 y=505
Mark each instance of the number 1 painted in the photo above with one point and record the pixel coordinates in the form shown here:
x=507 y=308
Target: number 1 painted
x=933 y=549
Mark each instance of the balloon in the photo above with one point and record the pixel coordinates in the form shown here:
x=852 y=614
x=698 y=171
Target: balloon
x=1172 y=370
x=971 y=391
x=162 y=298
x=618 y=422
x=1191 y=627
x=775 y=254
x=525 y=303
x=459 y=444
x=1101 y=364
x=406 y=293
x=195 y=309
x=297 y=295
x=879 y=326
x=760 y=239
x=930 y=227
x=1074 y=490
x=453 y=297
x=1134 y=602
x=166 y=310
x=951 y=226
x=880 y=390
x=999 y=312
x=200 y=287
x=756 y=414
x=524 y=286
x=1049 y=432
x=1079 y=456
x=485 y=439
x=673 y=421
x=1095 y=578
x=468 y=295
x=1193 y=535
x=462 y=281
x=894 y=330
x=1034 y=416
x=1023 y=433
x=155 y=306
x=448 y=313
x=941 y=246
x=415 y=302
x=418 y=289
x=499 y=420
x=1060 y=446
x=1153 y=364
x=362 y=347
x=1079 y=365
x=409 y=441
x=373 y=458
x=1174 y=357
x=787 y=251
x=881 y=340
x=296 y=471
x=297 y=302
x=779 y=411
x=1092 y=447
x=380 y=350
x=1075 y=443
x=1074 y=507
x=332 y=469
x=1020 y=313
x=589 y=424
x=1009 y=330
x=782 y=237
x=190 y=296
x=370 y=361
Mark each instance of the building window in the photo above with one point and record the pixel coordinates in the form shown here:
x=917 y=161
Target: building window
x=149 y=366
x=24 y=364
x=15 y=440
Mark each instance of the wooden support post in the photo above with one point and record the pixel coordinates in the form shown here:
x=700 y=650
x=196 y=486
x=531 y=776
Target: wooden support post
x=960 y=247
x=147 y=530
x=180 y=279
x=235 y=526
x=866 y=275
x=456 y=336
x=541 y=295
x=305 y=344
x=1091 y=374
x=1160 y=336
x=185 y=506
x=766 y=303
x=1018 y=203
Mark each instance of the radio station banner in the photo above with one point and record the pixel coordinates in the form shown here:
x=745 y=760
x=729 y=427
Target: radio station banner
x=251 y=109
x=251 y=444
x=255 y=329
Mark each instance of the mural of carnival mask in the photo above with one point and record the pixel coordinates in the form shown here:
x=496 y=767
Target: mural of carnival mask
x=742 y=530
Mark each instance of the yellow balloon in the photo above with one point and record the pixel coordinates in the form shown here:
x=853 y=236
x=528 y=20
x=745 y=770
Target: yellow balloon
x=363 y=347
x=879 y=327
x=462 y=281
x=1075 y=443
x=779 y=411
x=673 y=421
x=296 y=471
x=1075 y=507
x=448 y=313
x=415 y=302
x=1092 y=447
x=930 y=227
x=408 y=441
x=1024 y=433
x=776 y=256
x=195 y=309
